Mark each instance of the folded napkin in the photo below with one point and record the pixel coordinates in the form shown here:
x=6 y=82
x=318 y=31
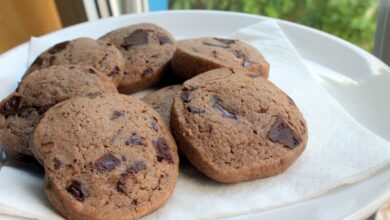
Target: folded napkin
x=340 y=151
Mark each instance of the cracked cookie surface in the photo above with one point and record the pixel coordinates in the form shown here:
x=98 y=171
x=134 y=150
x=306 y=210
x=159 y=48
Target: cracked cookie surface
x=100 y=55
x=108 y=157
x=147 y=49
x=40 y=90
x=234 y=128
x=198 y=55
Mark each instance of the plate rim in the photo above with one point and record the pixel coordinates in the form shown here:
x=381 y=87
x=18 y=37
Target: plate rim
x=283 y=22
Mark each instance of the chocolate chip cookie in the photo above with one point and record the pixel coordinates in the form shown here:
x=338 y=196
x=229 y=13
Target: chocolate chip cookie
x=147 y=49
x=235 y=128
x=161 y=100
x=195 y=56
x=103 y=56
x=111 y=157
x=40 y=90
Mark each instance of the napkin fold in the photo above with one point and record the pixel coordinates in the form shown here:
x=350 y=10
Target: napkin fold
x=340 y=151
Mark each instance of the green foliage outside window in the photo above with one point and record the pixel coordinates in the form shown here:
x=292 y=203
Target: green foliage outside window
x=352 y=20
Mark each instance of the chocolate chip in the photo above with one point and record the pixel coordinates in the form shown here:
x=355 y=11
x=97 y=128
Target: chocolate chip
x=136 y=167
x=94 y=94
x=147 y=72
x=225 y=41
x=108 y=44
x=107 y=162
x=12 y=106
x=57 y=163
x=162 y=150
x=135 y=140
x=114 y=71
x=216 y=103
x=58 y=47
x=163 y=39
x=90 y=70
x=291 y=101
x=282 y=133
x=195 y=110
x=38 y=61
x=51 y=60
x=216 y=44
x=154 y=124
x=117 y=114
x=247 y=63
x=77 y=190
x=138 y=37
x=185 y=96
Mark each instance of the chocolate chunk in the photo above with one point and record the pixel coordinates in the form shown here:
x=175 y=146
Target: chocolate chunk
x=43 y=109
x=12 y=106
x=135 y=140
x=151 y=58
x=216 y=103
x=154 y=124
x=136 y=167
x=38 y=61
x=57 y=163
x=117 y=114
x=114 y=71
x=147 y=72
x=58 y=47
x=25 y=112
x=163 y=39
x=291 y=101
x=253 y=75
x=91 y=70
x=247 y=63
x=51 y=60
x=238 y=53
x=216 y=44
x=77 y=190
x=282 y=133
x=185 y=96
x=107 y=162
x=162 y=150
x=225 y=41
x=94 y=94
x=214 y=53
x=108 y=44
x=195 y=110
x=138 y=37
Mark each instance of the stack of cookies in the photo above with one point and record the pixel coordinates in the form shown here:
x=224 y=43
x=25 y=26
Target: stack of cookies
x=107 y=155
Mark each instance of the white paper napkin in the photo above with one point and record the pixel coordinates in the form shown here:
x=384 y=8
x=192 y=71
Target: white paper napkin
x=339 y=151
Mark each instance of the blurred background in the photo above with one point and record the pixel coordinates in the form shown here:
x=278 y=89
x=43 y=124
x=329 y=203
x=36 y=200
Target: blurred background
x=352 y=20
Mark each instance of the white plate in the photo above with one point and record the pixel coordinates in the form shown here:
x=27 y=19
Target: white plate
x=356 y=79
